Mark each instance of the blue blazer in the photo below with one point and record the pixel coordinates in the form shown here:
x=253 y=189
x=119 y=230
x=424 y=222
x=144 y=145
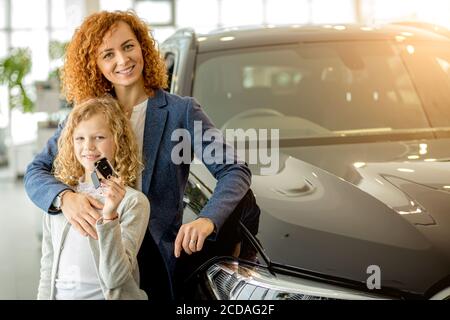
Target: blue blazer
x=162 y=181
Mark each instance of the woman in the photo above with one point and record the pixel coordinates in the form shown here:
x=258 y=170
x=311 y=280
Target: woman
x=113 y=52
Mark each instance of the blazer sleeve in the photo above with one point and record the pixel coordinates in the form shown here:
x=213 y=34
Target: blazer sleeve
x=44 y=288
x=119 y=240
x=40 y=184
x=232 y=174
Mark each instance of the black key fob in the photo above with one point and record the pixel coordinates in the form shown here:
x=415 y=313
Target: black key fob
x=104 y=168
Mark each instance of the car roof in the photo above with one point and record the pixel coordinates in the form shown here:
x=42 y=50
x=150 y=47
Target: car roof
x=241 y=37
x=425 y=26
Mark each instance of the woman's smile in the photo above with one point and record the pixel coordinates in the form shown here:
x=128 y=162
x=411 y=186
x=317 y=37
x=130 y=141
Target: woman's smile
x=127 y=71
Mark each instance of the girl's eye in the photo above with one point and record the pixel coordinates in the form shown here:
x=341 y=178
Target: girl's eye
x=99 y=137
x=108 y=56
x=79 y=138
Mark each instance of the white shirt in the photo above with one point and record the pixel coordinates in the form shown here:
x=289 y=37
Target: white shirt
x=138 y=124
x=77 y=277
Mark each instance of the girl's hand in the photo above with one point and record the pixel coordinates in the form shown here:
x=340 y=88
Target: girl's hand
x=114 y=191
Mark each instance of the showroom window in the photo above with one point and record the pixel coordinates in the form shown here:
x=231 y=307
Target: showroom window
x=276 y=11
x=236 y=12
x=115 y=4
x=202 y=15
x=33 y=25
x=29 y=14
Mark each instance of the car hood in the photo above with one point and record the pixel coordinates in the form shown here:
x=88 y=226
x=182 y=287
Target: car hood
x=337 y=210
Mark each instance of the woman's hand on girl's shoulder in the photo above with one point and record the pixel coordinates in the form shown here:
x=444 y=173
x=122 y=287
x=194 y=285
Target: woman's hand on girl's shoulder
x=81 y=211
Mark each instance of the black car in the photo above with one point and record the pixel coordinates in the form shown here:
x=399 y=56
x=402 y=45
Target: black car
x=359 y=204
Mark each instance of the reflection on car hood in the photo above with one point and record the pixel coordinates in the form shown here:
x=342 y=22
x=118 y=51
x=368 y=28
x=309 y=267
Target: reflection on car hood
x=373 y=204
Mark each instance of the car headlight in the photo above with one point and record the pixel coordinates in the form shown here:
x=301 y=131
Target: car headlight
x=233 y=281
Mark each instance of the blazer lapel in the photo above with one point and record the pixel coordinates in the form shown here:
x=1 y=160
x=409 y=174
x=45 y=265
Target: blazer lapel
x=155 y=122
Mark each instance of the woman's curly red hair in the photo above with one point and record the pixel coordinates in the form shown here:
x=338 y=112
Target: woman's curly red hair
x=82 y=79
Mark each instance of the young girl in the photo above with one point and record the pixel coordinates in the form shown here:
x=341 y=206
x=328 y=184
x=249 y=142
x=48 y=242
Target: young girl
x=78 y=267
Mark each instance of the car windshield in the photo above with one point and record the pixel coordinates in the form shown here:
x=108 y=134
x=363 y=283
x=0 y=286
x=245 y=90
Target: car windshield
x=328 y=88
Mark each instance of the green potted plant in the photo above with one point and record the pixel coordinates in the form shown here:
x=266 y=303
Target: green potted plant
x=13 y=70
x=56 y=51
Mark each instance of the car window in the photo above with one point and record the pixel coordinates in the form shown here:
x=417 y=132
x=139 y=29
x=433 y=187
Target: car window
x=315 y=89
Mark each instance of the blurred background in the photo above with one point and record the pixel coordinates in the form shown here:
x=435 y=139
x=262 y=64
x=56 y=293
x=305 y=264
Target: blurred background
x=33 y=35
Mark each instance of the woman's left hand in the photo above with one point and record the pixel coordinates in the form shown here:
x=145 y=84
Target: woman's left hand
x=192 y=235
x=114 y=191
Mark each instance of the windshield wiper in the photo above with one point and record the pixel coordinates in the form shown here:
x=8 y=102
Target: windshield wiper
x=387 y=130
x=368 y=137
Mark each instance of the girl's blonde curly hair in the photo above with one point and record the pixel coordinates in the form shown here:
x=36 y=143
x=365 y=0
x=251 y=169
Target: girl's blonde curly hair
x=82 y=79
x=66 y=167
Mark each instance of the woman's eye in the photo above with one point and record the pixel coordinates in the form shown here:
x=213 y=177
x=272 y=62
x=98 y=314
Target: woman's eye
x=79 y=138
x=129 y=47
x=99 y=137
x=108 y=56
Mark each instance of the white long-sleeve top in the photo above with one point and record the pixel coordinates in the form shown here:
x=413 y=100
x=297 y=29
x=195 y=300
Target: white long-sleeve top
x=114 y=253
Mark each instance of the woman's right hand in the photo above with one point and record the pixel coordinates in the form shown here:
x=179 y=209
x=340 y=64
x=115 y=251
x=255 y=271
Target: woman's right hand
x=81 y=211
